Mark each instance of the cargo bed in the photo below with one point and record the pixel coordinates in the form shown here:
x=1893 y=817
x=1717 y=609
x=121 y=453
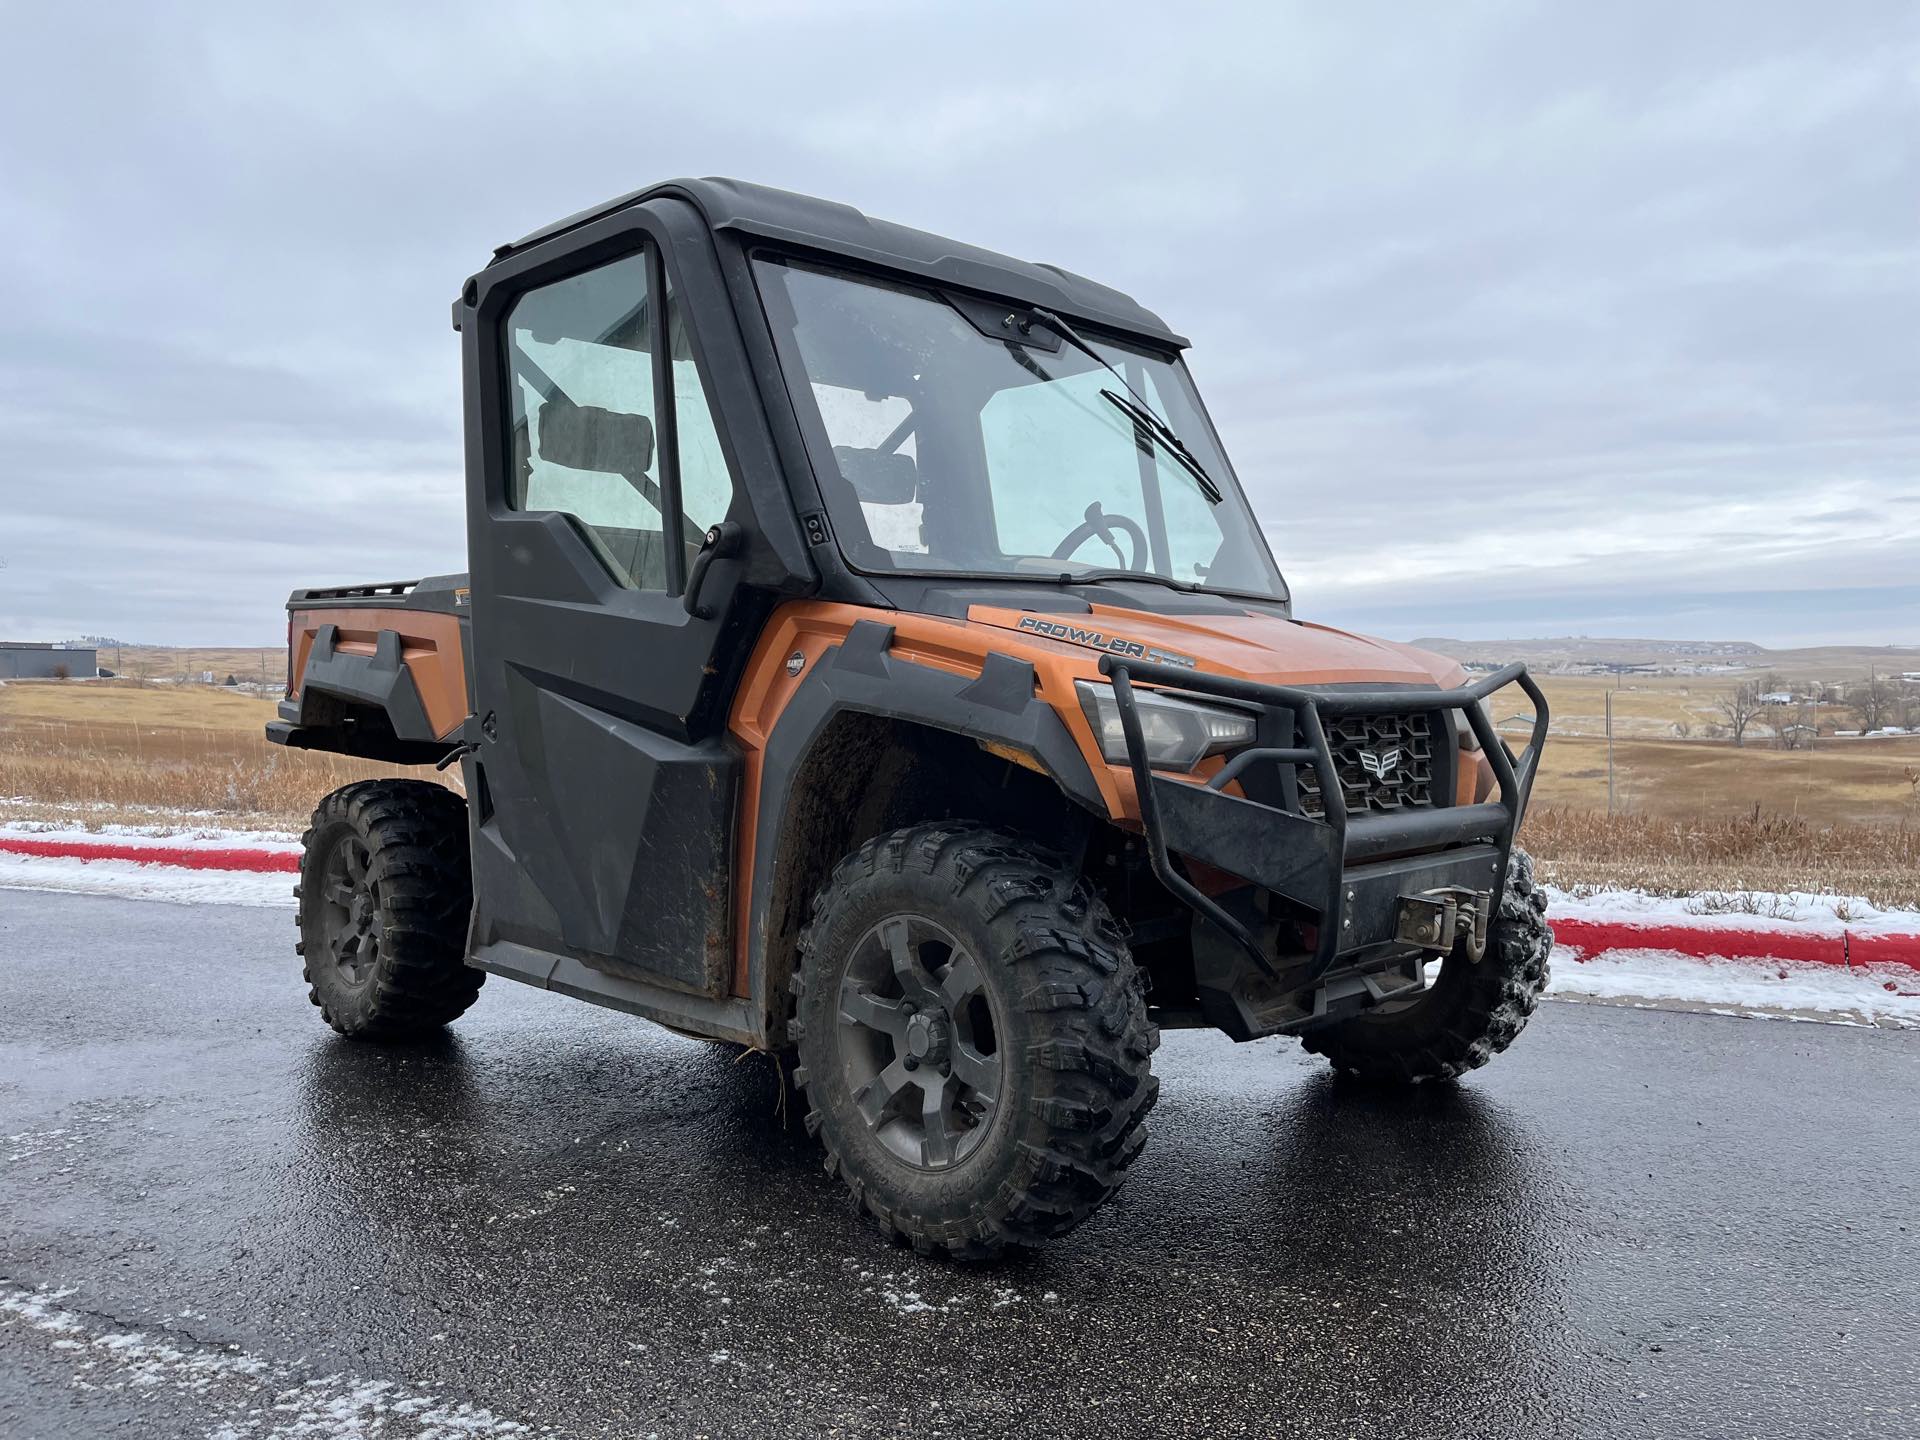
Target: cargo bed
x=377 y=670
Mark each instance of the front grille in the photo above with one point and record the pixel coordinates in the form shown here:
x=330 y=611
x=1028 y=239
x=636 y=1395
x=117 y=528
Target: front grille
x=1405 y=784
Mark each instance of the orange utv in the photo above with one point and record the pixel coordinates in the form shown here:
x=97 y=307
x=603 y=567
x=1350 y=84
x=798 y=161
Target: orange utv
x=869 y=653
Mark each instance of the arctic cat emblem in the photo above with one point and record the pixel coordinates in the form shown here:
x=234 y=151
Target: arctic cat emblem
x=1100 y=640
x=1380 y=763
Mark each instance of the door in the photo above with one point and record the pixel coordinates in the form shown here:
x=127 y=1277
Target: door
x=603 y=786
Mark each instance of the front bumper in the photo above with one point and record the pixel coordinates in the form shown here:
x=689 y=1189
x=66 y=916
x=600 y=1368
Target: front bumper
x=1352 y=871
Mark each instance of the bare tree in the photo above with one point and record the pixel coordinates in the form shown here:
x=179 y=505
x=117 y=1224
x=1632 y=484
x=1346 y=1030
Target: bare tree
x=1740 y=707
x=1795 y=727
x=1872 y=702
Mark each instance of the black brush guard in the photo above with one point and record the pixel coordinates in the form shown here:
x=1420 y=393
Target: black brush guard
x=1352 y=870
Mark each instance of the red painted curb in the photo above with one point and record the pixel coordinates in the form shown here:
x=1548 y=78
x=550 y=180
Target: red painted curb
x=1714 y=942
x=187 y=857
x=1592 y=936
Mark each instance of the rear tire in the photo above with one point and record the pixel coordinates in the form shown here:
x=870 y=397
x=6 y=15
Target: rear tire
x=973 y=1040
x=1471 y=1013
x=385 y=892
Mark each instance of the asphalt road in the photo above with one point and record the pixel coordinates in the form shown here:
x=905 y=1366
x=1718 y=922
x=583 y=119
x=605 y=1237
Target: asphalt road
x=217 y=1219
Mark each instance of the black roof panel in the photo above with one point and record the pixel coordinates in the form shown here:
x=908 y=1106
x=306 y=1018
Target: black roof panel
x=826 y=225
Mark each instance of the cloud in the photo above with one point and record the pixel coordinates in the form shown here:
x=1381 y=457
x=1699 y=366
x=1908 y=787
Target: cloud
x=1511 y=316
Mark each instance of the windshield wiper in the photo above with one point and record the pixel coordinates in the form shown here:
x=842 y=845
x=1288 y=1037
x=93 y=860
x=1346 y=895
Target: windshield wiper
x=1146 y=420
x=1135 y=409
x=1095 y=577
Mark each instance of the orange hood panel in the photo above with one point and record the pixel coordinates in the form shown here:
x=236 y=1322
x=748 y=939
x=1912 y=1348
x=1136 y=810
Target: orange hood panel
x=1252 y=646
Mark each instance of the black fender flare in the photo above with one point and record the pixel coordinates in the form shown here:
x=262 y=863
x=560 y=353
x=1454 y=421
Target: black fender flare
x=861 y=675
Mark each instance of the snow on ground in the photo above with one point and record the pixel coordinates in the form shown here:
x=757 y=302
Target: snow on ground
x=1876 y=994
x=1886 y=995
x=205 y=837
x=135 y=881
x=1754 y=910
x=264 y=1399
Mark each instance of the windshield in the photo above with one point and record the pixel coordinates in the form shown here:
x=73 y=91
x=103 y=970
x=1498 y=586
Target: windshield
x=954 y=441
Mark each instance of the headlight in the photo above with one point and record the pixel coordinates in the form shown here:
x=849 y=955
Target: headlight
x=1178 y=734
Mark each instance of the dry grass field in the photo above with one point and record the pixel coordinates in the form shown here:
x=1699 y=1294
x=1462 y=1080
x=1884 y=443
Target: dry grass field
x=1651 y=707
x=103 y=751
x=1646 y=709
x=1756 y=852
x=1656 y=773
x=113 y=702
x=250 y=665
x=1840 y=782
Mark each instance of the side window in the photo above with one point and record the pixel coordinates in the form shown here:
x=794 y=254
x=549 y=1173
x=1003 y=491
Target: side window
x=706 y=485
x=580 y=356
x=582 y=437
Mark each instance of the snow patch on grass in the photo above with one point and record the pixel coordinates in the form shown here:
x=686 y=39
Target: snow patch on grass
x=1788 y=989
x=1785 y=911
x=136 y=880
x=132 y=880
x=186 y=831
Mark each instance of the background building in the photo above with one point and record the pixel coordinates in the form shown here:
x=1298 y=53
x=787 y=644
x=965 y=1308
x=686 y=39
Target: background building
x=22 y=660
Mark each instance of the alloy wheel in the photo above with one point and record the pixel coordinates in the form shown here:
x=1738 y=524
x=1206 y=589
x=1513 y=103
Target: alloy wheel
x=919 y=1042
x=352 y=916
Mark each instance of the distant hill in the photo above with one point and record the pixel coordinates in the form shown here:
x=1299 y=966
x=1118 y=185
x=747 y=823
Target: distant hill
x=1582 y=652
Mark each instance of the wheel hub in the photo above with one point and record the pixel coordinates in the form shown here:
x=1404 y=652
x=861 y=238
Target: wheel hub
x=927 y=1038
x=918 y=1048
x=352 y=916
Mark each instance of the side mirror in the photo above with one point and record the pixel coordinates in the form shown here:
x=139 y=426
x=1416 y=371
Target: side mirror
x=879 y=477
x=585 y=437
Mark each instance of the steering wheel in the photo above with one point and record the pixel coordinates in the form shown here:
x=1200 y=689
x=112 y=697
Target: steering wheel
x=1101 y=524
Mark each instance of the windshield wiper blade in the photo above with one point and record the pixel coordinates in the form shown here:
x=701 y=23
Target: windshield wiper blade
x=1151 y=423
x=1095 y=577
x=1136 y=409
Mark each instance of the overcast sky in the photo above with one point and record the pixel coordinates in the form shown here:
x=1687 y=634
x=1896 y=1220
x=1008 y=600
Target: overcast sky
x=1516 y=319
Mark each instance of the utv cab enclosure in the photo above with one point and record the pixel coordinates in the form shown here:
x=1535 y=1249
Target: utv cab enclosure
x=868 y=652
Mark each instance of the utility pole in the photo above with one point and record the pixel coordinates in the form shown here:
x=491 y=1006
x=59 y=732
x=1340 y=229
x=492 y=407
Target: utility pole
x=1609 y=753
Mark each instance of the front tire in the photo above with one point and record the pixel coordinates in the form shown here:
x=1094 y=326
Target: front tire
x=973 y=1040
x=1471 y=1013
x=385 y=892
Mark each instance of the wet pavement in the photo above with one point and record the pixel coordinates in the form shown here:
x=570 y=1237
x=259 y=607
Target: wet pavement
x=563 y=1219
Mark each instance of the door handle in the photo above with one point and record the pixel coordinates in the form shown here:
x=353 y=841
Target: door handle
x=720 y=540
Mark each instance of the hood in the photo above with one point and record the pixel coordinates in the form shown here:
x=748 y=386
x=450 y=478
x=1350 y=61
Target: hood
x=1265 y=648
